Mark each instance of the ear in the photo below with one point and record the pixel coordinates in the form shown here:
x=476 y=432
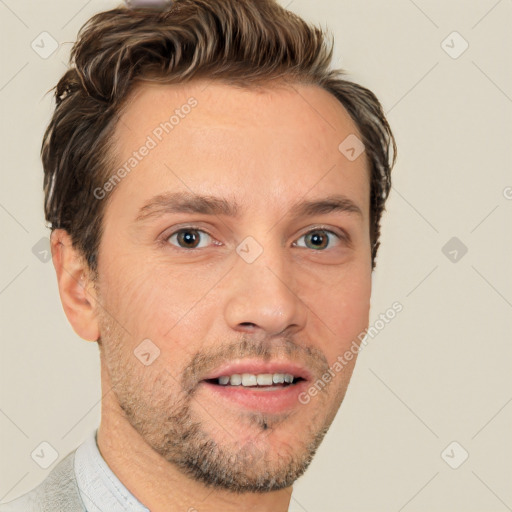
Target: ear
x=75 y=285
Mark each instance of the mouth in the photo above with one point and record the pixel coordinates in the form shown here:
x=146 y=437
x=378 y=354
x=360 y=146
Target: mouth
x=267 y=387
x=264 y=381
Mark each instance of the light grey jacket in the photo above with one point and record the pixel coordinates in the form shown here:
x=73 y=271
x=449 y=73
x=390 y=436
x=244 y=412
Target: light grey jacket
x=57 y=493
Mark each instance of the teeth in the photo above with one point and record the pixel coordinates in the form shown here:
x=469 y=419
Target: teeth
x=278 y=378
x=249 y=379
x=236 y=380
x=264 y=379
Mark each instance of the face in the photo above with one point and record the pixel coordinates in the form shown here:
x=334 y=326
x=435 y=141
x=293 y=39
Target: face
x=235 y=248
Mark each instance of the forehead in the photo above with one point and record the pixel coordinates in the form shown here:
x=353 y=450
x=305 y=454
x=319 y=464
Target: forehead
x=211 y=137
x=224 y=100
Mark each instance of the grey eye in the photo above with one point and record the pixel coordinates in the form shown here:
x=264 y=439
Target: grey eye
x=317 y=239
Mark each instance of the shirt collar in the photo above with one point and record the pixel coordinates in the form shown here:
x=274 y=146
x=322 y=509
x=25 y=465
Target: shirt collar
x=99 y=487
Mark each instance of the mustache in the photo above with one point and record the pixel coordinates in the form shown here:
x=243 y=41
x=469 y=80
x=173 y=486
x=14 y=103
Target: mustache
x=267 y=349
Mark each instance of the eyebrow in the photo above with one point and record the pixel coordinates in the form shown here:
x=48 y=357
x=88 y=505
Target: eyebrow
x=187 y=202
x=334 y=203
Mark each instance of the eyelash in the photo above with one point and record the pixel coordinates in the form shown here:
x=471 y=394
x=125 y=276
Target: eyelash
x=341 y=237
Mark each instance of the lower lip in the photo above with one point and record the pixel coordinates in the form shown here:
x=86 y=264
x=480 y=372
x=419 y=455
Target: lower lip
x=262 y=399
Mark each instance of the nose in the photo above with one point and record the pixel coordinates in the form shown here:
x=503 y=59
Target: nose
x=262 y=295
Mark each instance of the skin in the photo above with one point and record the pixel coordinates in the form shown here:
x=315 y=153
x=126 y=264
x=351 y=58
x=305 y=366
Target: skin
x=268 y=148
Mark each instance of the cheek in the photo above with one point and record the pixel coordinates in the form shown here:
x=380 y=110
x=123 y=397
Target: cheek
x=155 y=300
x=345 y=307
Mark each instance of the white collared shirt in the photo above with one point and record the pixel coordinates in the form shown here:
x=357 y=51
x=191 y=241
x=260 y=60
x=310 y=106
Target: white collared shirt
x=99 y=487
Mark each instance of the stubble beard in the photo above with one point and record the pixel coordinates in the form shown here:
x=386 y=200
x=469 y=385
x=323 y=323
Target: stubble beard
x=167 y=421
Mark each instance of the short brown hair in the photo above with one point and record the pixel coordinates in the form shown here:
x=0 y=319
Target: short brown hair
x=242 y=42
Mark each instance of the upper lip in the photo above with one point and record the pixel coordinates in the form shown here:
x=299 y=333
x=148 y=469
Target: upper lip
x=256 y=367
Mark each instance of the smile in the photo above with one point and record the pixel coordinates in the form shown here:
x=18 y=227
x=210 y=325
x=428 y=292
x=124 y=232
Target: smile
x=271 y=387
x=259 y=380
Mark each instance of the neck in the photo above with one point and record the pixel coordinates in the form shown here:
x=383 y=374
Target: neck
x=159 y=484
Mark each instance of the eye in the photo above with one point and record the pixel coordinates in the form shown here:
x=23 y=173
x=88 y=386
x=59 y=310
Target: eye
x=189 y=238
x=318 y=239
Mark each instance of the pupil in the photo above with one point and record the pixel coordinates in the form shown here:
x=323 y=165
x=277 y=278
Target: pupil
x=189 y=237
x=317 y=240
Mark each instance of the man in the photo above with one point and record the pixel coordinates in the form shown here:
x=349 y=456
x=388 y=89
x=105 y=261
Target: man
x=214 y=192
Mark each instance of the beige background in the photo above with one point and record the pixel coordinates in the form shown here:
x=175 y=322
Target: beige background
x=439 y=372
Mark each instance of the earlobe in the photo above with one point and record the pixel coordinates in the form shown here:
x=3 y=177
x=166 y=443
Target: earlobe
x=75 y=286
